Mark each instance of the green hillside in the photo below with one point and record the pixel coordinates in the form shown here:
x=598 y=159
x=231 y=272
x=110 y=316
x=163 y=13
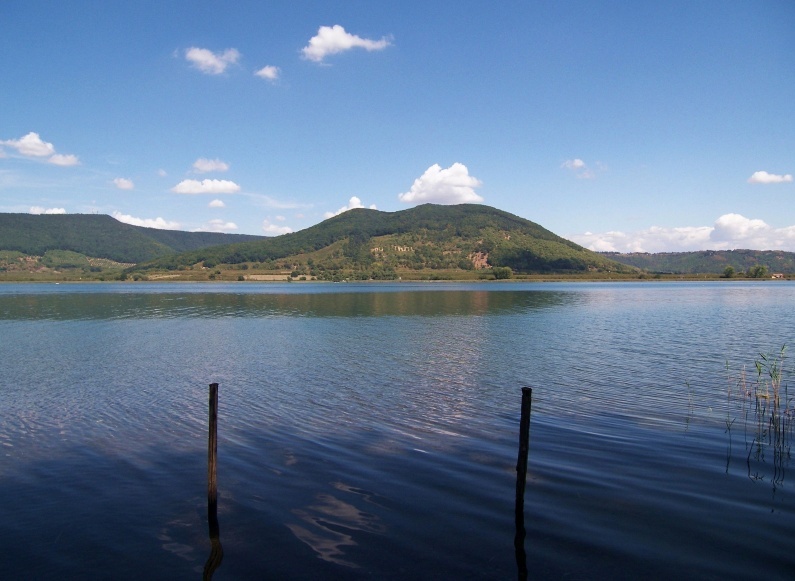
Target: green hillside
x=101 y=236
x=373 y=244
x=707 y=261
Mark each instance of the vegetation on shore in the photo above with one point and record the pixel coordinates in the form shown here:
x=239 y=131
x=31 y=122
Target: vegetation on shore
x=428 y=242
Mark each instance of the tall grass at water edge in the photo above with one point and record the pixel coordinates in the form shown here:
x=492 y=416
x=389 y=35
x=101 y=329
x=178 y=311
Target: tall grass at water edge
x=761 y=398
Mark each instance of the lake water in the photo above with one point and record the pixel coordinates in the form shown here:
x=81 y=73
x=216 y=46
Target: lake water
x=371 y=431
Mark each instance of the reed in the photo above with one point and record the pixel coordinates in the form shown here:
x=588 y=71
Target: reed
x=767 y=411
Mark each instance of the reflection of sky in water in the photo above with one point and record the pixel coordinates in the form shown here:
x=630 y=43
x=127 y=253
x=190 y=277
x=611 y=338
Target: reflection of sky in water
x=330 y=393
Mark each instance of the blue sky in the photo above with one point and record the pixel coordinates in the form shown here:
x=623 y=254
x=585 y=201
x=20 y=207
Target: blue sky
x=622 y=125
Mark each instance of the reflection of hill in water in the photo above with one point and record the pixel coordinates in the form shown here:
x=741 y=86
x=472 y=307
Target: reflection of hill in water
x=99 y=305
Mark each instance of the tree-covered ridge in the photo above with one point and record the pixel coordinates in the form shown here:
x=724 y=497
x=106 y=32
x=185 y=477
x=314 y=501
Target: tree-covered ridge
x=708 y=261
x=375 y=244
x=100 y=236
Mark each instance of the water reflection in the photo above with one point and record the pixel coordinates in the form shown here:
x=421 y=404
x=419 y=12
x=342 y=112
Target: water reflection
x=152 y=305
x=328 y=524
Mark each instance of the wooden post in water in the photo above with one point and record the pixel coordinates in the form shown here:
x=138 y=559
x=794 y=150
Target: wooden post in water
x=216 y=550
x=212 y=447
x=521 y=479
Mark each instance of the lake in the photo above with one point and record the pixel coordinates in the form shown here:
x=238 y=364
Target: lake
x=370 y=431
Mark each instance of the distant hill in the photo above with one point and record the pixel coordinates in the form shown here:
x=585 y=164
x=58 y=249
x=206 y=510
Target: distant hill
x=374 y=244
x=707 y=261
x=101 y=236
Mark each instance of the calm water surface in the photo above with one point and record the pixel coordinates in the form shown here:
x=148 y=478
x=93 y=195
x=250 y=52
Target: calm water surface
x=371 y=431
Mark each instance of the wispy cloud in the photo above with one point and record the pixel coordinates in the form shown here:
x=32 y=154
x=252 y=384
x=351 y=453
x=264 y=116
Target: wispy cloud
x=204 y=165
x=32 y=145
x=762 y=177
x=124 y=183
x=209 y=62
x=453 y=185
x=218 y=225
x=334 y=39
x=272 y=229
x=206 y=187
x=354 y=202
x=217 y=204
x=158 y=222
x=729 y=232
x=581 y=169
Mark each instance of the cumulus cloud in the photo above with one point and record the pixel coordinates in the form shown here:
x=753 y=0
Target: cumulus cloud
x=206 y=187
x=32 y=145
x=64 y=160
x=217 y=204
x=762 y=177
x=729 y=232
x=272 y=229
x=334 y=39
x=40 y=210
x=354 y=202
x=453 y=185
x=124 y=183
x=158 y=222
x=209 y=62
x=218 y=226
x=269 y=72
x=204 y=165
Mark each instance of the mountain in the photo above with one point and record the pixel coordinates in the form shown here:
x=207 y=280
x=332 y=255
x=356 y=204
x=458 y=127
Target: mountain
x=101 y=236
x=373 y=244
x=707 y=261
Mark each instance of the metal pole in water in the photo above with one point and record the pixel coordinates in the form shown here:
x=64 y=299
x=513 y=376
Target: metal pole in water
x=521 y=479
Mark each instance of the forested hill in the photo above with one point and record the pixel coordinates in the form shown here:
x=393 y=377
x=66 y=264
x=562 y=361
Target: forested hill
x=430 y=236
x=101 y=236
x=707 y=261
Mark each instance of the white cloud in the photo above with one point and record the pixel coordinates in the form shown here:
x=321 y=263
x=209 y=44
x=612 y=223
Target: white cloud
x=354 y=202
x=574 y=164
x=209 y=62
x=218 y=226
x=580 y=168
x=162 y=173
x=334 y=39
x=204 y=165
x=453 y=185
x=40 y=210
x=269 y=72
x=730 y=232
x=762 y=177
x=273 y=230
x=32 y=145
x=206 y=187
x=124 y=183
x=217 y=204
x=158 y=222
x=64 y=160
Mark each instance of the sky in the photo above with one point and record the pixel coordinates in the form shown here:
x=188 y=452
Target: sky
x=621 y=125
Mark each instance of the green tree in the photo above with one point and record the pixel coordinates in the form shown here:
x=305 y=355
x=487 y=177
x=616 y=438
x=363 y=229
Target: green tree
x=757 y=271
x=502 y=272
x=728 y=272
